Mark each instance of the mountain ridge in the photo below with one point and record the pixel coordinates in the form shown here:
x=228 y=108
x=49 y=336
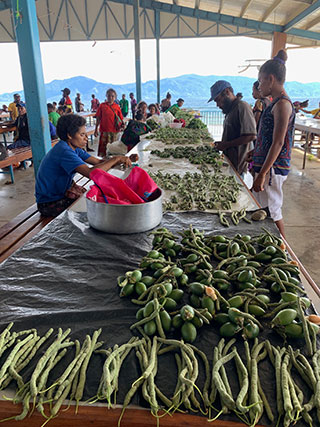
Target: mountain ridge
x=193 y=88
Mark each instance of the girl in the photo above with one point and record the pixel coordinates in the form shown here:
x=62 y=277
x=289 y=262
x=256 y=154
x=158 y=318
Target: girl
x=110 y=120
x=272 y=152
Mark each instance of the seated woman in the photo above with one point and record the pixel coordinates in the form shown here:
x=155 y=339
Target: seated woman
x=135 y=128
x=152 y=110
x=22 y=138
x=55 y=188
x=143 y=107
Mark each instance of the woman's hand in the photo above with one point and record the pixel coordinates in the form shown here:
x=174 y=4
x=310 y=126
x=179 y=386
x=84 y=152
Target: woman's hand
x=123 y=160
x=258 y=183
x=96 y=133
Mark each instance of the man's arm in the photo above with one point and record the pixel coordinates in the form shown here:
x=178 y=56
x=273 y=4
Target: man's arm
x=241 y=140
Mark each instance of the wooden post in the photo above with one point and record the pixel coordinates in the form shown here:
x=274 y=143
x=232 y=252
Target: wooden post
x=278 y=42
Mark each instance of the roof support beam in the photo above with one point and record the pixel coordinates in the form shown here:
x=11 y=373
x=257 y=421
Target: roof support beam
x=197 y=4
x=137 y=48
x=245 y=8
x=312 y=23
x=27 y=35
x=274 y=5
x=221 y=6
x=311 y=9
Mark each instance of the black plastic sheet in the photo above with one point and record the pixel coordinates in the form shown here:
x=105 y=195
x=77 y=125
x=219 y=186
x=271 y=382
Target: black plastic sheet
x=66 y=277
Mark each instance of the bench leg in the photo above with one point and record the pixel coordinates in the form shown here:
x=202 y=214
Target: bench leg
x=306 y=146
x=11 y=174
x=24 y=164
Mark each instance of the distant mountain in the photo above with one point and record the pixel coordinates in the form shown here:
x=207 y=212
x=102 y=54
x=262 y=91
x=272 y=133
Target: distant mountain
x=194 y=89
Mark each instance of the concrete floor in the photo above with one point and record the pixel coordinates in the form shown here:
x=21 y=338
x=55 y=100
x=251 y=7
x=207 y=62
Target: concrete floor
x=301 y=210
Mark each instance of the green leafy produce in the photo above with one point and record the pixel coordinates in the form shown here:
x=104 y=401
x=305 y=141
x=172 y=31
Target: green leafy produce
x=152 y=124
x=181 y=136
x=196 y=124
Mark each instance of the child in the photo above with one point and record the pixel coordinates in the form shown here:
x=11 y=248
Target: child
x=272 y=152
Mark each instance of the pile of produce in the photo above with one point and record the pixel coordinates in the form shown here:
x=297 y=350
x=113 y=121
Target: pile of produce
x=243 y=287
x=196 y=124
x=200 y=191
x=239 y=286
x=153 y=124
x=181 y=136
x=199 y=155
x=185 y=115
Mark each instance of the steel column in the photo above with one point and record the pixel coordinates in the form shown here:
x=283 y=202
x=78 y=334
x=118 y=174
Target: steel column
x=157 y=34
x=27 y=36
x=137 y=48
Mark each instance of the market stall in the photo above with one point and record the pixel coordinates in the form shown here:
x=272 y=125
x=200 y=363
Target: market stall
x=309 y=126
x=67 y=276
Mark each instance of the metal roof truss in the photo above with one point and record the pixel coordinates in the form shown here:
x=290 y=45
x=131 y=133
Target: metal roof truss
x=77 y=20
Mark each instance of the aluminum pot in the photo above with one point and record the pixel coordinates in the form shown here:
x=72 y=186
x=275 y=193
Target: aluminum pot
x=125 y=219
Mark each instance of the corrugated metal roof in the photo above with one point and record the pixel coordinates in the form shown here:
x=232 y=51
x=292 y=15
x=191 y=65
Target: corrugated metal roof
x=74 y=20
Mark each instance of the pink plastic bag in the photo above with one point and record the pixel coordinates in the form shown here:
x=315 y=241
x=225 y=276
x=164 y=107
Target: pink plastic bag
x=113 y=190
x=141 y=183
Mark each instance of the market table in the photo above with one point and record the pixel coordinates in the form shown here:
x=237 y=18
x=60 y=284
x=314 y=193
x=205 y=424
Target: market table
x=69 y=279
x=5 y=128
x=309 y=126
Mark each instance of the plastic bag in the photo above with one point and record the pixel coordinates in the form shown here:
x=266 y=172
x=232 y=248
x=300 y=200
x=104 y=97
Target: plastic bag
x=141 y=183
x=137 y=188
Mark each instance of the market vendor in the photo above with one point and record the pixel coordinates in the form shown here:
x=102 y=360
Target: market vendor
x=179 y=103
x=55 y=188
x=239 y=126
x=135 y=128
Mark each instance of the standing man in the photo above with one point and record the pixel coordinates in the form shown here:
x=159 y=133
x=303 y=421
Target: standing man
x=239 y=127
x=133 y=104
x=13 y=110
x=65 y=101
x=124 y=105
x=78 y=104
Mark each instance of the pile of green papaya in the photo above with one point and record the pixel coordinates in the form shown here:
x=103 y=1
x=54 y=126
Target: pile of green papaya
x=238 y=285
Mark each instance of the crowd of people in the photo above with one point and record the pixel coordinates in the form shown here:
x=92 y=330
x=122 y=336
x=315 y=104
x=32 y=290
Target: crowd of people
x=257 y=139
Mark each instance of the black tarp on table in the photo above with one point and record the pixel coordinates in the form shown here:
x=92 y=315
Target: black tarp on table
x=66 y=275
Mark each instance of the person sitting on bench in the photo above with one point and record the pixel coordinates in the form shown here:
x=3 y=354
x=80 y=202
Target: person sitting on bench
x=55 y=188
x=23 y=138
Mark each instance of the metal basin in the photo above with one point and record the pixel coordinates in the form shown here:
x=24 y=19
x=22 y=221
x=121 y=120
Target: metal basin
x=125 y=219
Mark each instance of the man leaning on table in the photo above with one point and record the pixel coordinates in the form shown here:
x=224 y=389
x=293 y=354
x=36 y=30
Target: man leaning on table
x=239 y=127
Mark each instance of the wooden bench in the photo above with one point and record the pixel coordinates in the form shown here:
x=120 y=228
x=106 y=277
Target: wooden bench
x=18 y=155
x=28 y=223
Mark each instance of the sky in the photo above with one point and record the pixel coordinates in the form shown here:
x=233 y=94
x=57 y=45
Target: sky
x=113 y=61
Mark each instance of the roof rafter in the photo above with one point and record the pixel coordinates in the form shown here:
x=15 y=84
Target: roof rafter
x=274 y=5
x=312 y=23
x=302 y=15
x=221 y=6
x=245 y=8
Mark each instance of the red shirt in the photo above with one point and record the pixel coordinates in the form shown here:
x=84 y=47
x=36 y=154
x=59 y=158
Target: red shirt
x=94 y=104
x=107 y=116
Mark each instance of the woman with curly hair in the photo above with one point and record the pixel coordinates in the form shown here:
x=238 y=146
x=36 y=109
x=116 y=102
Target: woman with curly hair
x=55 y=188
